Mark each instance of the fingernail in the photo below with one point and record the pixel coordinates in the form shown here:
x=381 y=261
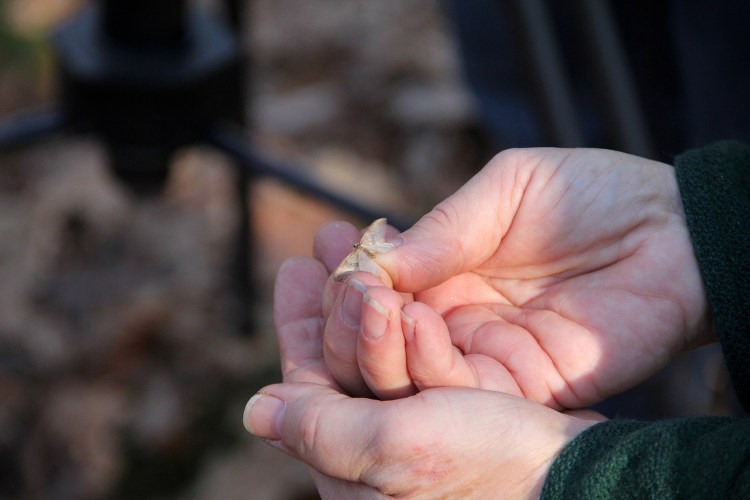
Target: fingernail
x=375 y=326
x=408 y=324
x=351 y=307
x=396 y=241
x=262 y=417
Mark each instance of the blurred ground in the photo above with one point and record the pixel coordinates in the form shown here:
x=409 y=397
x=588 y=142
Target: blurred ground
x=122 y=371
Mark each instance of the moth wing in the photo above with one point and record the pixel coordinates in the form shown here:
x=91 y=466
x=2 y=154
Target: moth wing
x=374 y=234
x=366 y=264
x=373 y=241
x=379 y=248
x=347 y=266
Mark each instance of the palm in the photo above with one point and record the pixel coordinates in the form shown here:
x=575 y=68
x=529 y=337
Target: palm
x=589 y=291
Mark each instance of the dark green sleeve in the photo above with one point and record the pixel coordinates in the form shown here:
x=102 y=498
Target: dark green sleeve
x=701 y=457
x=715 y=189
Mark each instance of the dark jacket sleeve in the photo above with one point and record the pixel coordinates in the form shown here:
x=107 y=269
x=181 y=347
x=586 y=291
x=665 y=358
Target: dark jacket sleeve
x=715 y=188
x=700 y=457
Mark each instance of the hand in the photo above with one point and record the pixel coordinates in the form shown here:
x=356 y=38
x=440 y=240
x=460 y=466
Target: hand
x=564 y=276
x=440 y=443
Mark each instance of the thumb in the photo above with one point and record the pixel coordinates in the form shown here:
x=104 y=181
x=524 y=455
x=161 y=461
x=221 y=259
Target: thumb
x=458 y=235
x=323 y=428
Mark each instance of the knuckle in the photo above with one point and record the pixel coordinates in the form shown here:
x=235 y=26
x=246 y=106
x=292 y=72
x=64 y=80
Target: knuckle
x=308 y=431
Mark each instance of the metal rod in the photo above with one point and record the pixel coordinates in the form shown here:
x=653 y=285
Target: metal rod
x=242 y=274
x=257 y=165
x=25 y=129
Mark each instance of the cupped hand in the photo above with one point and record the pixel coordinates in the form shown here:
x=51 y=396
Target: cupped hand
x=563 y=276
x=451 y=442
x=440 y=443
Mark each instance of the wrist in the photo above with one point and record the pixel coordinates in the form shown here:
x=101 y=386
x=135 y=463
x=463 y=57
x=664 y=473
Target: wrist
x=569 y=425
x=698 y=326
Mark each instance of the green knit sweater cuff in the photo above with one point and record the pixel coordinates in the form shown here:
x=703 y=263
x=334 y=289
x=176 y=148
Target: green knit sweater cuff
x=699 y=457
x=714 y=185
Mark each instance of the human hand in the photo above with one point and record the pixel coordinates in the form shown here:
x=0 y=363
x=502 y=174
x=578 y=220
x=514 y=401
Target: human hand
x=564 y=276
x=440 y=443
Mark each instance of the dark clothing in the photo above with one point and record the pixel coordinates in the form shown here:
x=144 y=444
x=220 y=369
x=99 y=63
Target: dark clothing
x=715 y=189
x=687 y=58
x=700 y=457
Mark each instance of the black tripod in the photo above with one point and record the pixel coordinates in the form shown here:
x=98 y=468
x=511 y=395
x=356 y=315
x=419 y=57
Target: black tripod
x=147 y=78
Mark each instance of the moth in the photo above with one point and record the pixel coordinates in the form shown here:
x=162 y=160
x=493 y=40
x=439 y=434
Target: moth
x=361 y=257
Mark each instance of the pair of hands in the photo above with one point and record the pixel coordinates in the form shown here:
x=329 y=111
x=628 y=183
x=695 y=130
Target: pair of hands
x=554 y=278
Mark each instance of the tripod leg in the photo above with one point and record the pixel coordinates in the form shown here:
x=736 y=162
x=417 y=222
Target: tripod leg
x=242 y=268
x=250 y=161
x=25 y=129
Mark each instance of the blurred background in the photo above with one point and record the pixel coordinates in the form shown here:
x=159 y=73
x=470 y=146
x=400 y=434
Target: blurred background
x=126 y=356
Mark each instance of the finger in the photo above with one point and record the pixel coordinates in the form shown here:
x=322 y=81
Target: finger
x=306 y=421
x=466 y=288
x=459 y=234
x=381 y=354
x=341 y=331
x=505 y=335
x=398 y=447
x=587 y=415
x=333 y=242
x=298 y=320
x=331 y=487
x=432 y=359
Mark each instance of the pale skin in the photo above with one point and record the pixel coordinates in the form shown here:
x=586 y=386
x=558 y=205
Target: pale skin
x=440 y=443
x=551 y=280
x=576 y=282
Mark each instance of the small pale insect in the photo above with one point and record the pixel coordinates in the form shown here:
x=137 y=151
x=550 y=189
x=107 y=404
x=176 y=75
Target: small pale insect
x=360 y=258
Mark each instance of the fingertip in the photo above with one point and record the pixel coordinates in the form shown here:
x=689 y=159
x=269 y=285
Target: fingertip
x=422 y=258
x=357 y=285
x=333 y=242
x=408 y=325
x=342 y=330
x=383 y=300
x=395 y=240
x=332 y=292
x=417 y=312
x=430 y=355
x=307 y=265
x=378 y=315
x=421 y=324
x=298 y=288
x=381 y=352
x=263 y=416
x=288 y=416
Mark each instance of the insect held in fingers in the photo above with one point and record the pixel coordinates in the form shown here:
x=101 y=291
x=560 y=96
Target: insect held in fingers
x=362 y=254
